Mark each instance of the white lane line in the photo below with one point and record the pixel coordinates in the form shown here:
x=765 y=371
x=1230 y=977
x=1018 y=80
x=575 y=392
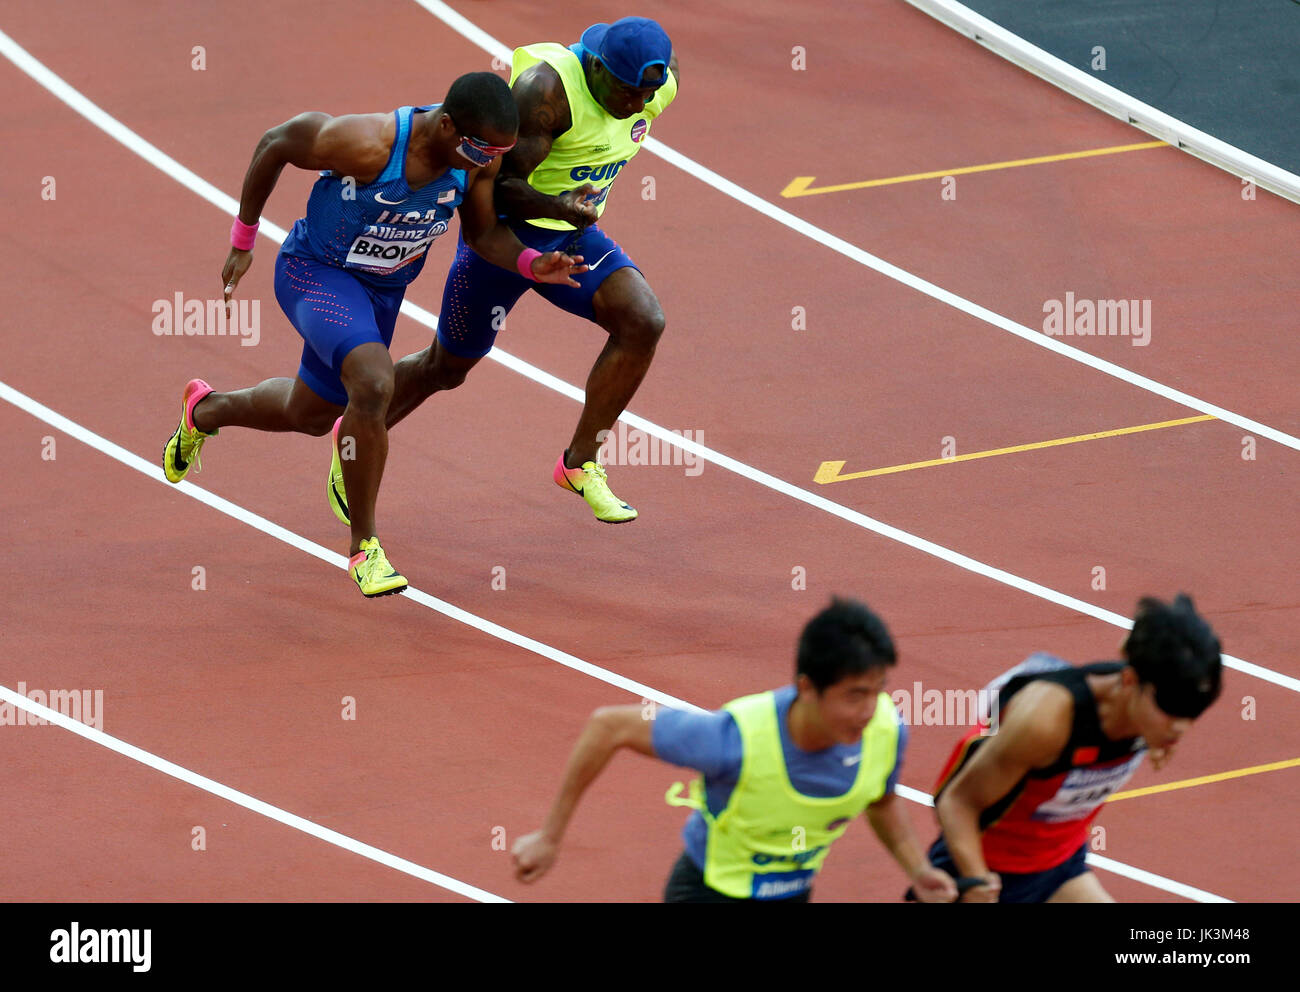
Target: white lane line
x=492 y=46
x=237 y=512
x=1153 y=880
x=122 y=134
x=153 y=471
x=1109 y=99
x=185 y=177
x=248 y=802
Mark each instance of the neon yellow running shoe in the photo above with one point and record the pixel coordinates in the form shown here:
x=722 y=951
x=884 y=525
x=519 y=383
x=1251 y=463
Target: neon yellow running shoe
x=181 y=453
x=370 y=570
x=334 y=484
x=591 y=483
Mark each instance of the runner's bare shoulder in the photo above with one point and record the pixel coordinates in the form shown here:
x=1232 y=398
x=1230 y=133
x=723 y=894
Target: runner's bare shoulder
x=543 y=104
x=357 y=145
x=1038 y=719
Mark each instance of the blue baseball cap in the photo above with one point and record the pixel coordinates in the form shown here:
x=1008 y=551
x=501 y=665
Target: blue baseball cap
x=628 y=47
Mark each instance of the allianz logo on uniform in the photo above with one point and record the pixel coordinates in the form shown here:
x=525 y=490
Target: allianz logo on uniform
x=769 y=890
x=779 y=885
x=179 y=317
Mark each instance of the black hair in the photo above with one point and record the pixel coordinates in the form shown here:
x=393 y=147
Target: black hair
x=844 y=639
x=479 y=100
x=1174 y=649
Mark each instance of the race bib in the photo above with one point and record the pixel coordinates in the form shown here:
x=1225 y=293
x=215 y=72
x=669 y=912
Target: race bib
x=377 y=250
x=1084 y=789
x=782 y=884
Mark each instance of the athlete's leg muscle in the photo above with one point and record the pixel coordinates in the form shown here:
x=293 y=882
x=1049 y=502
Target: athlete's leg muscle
x=419 y=376
x=273 y=405
x=367 y=375
x=627 y=308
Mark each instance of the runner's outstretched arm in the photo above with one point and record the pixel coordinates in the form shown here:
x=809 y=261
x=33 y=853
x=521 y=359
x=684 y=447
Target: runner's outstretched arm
x=894 y=827
x=1030 y=735
x=350 y=145
x=494 y=240
x=609 y=729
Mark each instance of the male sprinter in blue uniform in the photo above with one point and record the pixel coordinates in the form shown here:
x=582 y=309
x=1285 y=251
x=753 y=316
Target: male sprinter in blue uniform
x=784 y=773
x=1016 y=806
x=584 y=112
x=390 y=185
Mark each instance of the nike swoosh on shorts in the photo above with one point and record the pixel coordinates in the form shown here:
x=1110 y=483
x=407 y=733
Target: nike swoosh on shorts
x=602 y=258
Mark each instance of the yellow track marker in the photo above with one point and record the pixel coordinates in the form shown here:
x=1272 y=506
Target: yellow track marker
x=1206 y=779
x=829 y=472
x=802 y=185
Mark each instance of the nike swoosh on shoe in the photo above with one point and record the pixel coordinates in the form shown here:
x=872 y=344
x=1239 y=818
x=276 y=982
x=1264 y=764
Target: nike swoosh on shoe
x=177 y=463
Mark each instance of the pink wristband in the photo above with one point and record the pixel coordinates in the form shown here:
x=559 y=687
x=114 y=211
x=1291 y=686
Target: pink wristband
x=243 y=235
x=524 y=263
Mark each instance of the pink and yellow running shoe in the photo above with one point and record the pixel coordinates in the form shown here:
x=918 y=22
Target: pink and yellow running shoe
x=372 y=573
x=181 y=452
x=591 y=483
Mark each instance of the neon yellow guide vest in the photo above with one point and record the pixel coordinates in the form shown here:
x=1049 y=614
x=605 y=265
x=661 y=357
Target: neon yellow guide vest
x=597 y=146
x=770 y=840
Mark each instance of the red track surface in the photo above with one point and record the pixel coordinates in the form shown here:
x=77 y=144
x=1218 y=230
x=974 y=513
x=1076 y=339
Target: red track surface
x=457 y=732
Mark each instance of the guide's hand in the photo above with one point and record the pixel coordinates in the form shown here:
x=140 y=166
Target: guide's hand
x=932 y=884
x=578 y=208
